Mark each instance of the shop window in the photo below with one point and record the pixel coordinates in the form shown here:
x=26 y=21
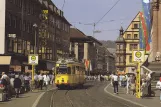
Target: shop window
x=48 y=56
x=40 y=49
x=15 y=45
x=24 y=25
x=20 y=46
x=28 y=45
x=43 y=56
x=10 y=46
x=14 y=21
x=9 y=19
x=20 y=24
x=31 y=49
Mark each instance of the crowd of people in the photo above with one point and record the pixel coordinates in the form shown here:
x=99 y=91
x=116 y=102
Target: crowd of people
x=128 y=81
x=15 y=84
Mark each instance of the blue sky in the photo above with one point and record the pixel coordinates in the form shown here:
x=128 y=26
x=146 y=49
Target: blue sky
x=82 y=12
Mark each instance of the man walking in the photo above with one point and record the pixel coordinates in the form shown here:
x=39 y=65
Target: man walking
x=17 y=85
x=115 y=83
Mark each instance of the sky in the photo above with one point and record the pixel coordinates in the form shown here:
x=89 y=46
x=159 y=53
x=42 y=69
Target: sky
x=83 y=13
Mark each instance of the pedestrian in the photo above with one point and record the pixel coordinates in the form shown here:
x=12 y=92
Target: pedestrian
x=40 y=77
x=17 y=85
x=127 y=84
x=36 y=79
x=27 y=82
x=115 y=83
x=133 y=82
x=46 y=80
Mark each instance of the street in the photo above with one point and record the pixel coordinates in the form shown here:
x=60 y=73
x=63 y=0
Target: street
x=92 y=95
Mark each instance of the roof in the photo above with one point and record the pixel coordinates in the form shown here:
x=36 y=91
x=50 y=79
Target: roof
x=76 y=33
x=120 y=39
x=94 y=40
x=111 y=50
x=132 y=21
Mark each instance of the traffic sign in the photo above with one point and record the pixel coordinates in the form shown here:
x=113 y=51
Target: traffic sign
x=33 y=59
x=138 y=56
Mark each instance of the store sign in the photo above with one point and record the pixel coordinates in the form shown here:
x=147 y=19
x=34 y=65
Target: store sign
x=138 y=56
x=33 y=59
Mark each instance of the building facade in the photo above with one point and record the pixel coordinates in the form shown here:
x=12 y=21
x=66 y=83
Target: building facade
x=86 y=48
x=39 y=27
x=128 y=42
x=156 y=26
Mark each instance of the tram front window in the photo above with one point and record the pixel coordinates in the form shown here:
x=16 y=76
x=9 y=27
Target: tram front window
x=64 y=70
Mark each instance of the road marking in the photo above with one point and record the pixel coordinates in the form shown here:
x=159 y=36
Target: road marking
x=39 y=97
x=105 y=89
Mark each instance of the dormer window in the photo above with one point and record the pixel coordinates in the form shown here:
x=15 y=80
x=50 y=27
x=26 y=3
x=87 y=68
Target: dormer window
x=136 y=26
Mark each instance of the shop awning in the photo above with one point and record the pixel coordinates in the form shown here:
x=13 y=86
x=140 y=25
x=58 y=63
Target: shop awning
x=5 y=60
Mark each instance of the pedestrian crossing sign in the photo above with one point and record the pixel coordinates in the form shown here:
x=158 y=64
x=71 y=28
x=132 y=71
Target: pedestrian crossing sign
x=33 y=59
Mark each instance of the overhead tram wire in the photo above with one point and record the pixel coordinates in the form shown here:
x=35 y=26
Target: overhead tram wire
x=94 y=25
x=107 y=12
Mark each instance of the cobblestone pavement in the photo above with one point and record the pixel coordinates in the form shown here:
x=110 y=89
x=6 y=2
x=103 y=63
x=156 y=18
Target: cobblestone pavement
x=27 y=99
x=92 y=95
x=145 y=102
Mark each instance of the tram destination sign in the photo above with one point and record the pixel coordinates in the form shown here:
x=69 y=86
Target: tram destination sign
x=63 y=65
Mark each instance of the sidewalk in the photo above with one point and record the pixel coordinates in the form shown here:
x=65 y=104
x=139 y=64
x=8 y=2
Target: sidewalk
x=25 y=100
x=145 y=102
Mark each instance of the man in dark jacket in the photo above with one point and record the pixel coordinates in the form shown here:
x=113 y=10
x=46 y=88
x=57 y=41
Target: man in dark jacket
x=17 y=85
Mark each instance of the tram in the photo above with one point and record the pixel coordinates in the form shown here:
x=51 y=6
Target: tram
x=69 y=73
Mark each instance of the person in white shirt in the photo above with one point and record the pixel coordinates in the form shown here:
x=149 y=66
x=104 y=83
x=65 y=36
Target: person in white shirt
x=36 y=79
x=46 y=80
x=127 y=84
x=115 y=83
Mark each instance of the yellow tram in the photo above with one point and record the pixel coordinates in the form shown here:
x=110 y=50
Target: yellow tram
x=70 y=73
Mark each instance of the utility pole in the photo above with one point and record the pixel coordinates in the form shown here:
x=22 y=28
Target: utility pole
x=94 y=26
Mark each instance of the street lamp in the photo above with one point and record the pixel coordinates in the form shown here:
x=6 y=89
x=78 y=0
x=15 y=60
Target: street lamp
x=35 y=26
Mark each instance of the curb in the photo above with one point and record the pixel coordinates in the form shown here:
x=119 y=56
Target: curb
x=39 y=97
x=105 y=90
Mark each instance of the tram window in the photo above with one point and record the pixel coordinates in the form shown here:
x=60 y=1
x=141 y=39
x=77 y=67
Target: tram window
x=73 y=70
x=64 y=70
x=69 y=70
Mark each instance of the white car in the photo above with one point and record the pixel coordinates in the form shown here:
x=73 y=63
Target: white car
x=158 y=85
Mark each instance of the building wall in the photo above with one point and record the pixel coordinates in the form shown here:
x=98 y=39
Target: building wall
x=2 y=26
x=20 y=18
x=156 y=14
x=86 y=51
x=131 y=36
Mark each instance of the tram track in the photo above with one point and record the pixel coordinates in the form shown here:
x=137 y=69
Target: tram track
x=100 y=102
x=57 y=95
